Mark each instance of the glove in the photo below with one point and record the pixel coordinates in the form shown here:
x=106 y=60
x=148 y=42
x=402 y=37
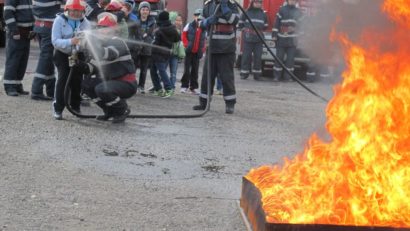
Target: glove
x=32 y=35
x=212 y=20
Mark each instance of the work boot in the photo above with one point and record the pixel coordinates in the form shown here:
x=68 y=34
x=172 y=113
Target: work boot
x=229 y=108
x=244 y=76
x=12 y=92
x=201 y=106
x=121 y=118
x=21 y=91
x=256 y=76
x=40 y=97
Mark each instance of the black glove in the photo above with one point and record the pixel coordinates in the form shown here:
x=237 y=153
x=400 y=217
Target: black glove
x=86 y=68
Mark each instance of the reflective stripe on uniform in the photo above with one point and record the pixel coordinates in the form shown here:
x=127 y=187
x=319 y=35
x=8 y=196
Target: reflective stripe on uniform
x=102 y=62
x=46 y=4
x=11 y=20
x=223 y=36
x=244 y=72
x=325 y=75
x=116 y=100
x=5 y=81
x=113 y=49
x=310 y=73
x=230 y=97
x=278 y=68
x=289 y=21
x=46 y=77
x=9 y=8
x=25 y=24
x=257 y=71
x=96 y=100
x=23 y=7
x=204 y=96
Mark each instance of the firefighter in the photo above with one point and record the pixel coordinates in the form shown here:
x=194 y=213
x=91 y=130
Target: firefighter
x=285 y=33
x=114 y=71
x=65 y=42
x=45 y=12
x=19 y=21
x=222 y=52
x=252 y=45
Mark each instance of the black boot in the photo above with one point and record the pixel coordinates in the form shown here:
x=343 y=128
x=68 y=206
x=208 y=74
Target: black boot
x=21 y=91
x=244 y=76
x=256 y=76
x=107 y=113
x=121 y=118
x=201 y=106
x=11 y=90
x=229 y=108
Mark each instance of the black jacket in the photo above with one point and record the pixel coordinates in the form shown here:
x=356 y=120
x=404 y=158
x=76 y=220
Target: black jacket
x=137 y=30
x=287 y=26
x=259 y=19
x=165 y=36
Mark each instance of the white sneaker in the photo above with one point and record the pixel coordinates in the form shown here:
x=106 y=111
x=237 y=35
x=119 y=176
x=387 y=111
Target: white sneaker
x=195 y=92
x=184 y=90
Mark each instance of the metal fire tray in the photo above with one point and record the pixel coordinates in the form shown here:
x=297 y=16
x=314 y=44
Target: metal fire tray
x=252 y=209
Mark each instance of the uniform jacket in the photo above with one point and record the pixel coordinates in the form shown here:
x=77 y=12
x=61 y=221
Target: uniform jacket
x=114 y=58
x=165 y=36
x=18 y=16
x=63 y=32
x=224 y=34
x=137 y=30
x=287 y=25
x=193 y=38
x=46 y=10
x=259 y=19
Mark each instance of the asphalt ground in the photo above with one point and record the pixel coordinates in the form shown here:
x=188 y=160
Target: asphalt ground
x=146 y=174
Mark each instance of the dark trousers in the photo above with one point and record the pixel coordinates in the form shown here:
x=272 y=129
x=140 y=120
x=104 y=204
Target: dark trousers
x=251 y=52
x=17 y=54
x=110 y=95
x=45 y=68
x=190 y=76
x=290 y=53
x=158 y=74
x=222 y=66
x=61 y=62
x=143 y=63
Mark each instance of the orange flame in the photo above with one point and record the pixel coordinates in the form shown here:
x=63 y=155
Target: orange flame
x=361 y=177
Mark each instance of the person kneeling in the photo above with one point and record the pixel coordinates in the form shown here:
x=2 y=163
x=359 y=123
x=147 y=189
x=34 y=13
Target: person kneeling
x=114 y=80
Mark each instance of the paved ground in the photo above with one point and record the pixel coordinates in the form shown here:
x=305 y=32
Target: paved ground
x=146 y=174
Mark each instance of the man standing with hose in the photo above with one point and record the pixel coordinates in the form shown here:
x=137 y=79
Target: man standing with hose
x=221 y=16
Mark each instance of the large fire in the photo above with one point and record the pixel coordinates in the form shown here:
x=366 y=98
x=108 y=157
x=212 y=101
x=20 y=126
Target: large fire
x=362 y=176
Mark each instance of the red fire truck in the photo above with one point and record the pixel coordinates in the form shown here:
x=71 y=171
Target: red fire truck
x=2 y=25
x=271 y=7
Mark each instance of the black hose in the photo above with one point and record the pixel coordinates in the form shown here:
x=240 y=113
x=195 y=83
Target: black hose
x=294 y=77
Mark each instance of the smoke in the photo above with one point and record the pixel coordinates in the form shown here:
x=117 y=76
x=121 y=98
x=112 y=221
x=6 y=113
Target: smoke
x=351 y=17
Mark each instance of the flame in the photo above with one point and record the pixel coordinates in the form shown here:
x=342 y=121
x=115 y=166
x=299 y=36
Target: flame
x=362 y=176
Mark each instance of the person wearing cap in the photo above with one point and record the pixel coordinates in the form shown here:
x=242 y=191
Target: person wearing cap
x=111 y=71
x=285 y=33
x=164 y=36
x=44 y=12
x=65 y=42
x=19 y=22
x=193 y=38
x=252 y=45
x=222 y=52
x=142 y=30
x=116 y=7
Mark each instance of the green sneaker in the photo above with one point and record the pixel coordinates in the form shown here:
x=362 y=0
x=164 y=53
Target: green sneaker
x=159 y=93
x=168 y=93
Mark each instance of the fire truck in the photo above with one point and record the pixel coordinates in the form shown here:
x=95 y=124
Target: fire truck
x=2 y=25
x=271 y=7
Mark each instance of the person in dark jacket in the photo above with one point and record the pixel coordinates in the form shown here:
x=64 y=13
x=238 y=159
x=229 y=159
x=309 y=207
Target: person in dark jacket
x=285 y=33
x=142 y=30
x=222 y=51
x=111 y=71
x=193 y=38
x=165 y=35
x=44 y=12
x=19 y=23
x=252 y=46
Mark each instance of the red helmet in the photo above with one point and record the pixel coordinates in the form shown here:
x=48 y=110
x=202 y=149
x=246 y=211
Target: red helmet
x=75 y=5
x=107 y=20
x=113 y=6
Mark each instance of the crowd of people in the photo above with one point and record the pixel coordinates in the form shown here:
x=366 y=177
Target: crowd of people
x=130 y=38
